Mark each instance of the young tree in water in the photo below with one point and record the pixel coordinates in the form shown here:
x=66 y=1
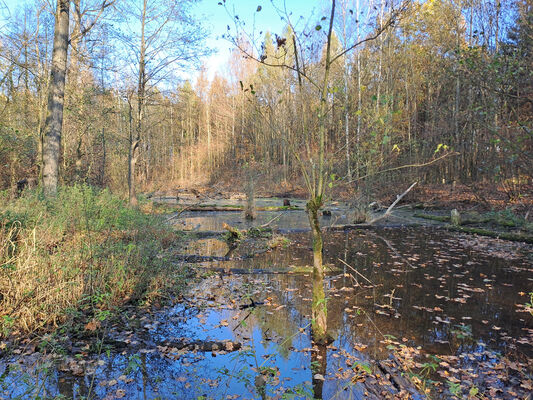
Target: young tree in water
x=314 y=165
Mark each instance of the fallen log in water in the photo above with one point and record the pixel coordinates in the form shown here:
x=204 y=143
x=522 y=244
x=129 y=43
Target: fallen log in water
x=196 y=258
x=218 y=208
x=393 y=372
x=214 y=208
x=200 y=345
x=177 y=344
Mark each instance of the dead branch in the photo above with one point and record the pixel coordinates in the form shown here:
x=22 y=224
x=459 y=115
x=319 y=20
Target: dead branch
x=178 y=214
x=269 y=222
x=405 y=166
x=235 y=233
x=388 y=212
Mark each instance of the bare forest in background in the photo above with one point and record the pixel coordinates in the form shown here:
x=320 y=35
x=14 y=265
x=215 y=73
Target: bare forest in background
x=446 y=78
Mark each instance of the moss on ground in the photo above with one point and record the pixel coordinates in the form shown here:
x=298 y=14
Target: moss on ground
x=500 y=224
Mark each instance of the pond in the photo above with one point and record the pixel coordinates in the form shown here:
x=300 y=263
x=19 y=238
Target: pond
x=447 y=308
x=286 y=220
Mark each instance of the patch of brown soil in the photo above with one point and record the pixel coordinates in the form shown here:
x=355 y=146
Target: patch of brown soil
x=482 y=197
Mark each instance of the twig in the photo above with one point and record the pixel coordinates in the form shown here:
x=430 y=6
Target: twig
x=178 y=214
x=356 y=271
x=405 y=166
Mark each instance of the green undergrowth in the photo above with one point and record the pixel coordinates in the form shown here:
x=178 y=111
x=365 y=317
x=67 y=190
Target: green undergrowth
x=503 y=224
x=78 y=258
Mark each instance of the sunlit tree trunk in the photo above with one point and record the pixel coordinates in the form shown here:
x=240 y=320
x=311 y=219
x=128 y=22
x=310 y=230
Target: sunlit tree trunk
x=380 y=62
x=359 y=91
x=208 y=129
x=56 y=98
x=346 y=108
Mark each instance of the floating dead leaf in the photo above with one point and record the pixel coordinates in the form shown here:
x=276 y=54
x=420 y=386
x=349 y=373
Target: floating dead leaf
x=527 y=385
x=76 y=368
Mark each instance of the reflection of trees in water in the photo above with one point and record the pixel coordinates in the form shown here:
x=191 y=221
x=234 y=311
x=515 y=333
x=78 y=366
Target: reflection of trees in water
x=438 y=270
x=283 y=323
x=319 y=365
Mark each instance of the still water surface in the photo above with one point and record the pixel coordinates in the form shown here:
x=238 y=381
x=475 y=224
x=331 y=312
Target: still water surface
x=440 y=294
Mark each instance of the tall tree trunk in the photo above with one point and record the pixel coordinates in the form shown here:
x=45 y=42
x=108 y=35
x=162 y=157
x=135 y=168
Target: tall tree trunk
x=380 y=67
x=141 y=87
x=131 y=183
x=208 y=128
x=346 y=107
x=56 y=98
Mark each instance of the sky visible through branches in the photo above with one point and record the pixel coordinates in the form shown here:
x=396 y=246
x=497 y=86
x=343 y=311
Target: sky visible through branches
x=216 y=20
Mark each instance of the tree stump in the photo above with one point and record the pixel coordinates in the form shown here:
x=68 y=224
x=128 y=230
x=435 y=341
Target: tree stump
x=455 y=217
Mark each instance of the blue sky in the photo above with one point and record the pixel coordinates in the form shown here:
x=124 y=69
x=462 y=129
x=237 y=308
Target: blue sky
x=267 y=18
x=216 y=19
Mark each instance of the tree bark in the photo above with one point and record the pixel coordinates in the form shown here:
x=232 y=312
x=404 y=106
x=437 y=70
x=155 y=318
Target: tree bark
x=56 y=98
x=318 y=306
x=141 y=89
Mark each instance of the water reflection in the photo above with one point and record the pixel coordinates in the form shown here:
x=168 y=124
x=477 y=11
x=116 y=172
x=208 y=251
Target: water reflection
x=428 y=289
x=319 y=366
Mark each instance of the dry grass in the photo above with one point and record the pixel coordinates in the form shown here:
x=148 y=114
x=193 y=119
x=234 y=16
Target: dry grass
x=82 y=253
